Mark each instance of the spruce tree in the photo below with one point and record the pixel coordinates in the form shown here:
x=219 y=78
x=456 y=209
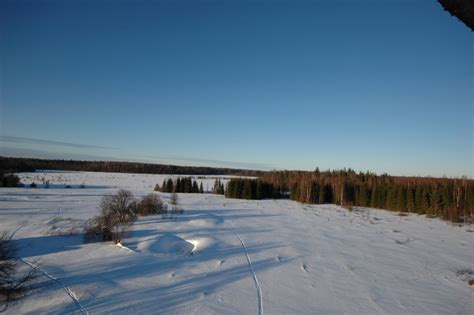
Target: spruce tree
x=163 y=186
x=169 y=185
x=410 y=200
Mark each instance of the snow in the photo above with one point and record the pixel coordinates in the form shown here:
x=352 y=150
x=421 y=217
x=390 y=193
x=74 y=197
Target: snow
x=232 y=256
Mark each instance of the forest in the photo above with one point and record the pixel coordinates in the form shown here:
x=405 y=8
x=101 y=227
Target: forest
x=188 y=185
x=246 y=188
x=180 y=185
x=449 y=198
x=10 y=164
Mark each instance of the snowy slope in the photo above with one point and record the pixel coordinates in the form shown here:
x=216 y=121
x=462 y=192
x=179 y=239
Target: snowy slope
x=233 y=256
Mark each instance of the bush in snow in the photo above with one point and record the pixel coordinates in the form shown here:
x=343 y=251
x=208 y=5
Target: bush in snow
x=12 y=286
x=9 y=180
x=149 y=205
x=116 y=214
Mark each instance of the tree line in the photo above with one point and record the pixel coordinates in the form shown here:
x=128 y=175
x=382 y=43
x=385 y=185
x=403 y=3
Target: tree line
x=246 y=188
x=180 y=185
x=188 y=185
x=11 y=164
x=449 y=198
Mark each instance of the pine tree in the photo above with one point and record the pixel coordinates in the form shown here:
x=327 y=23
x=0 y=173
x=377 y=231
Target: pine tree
x=195 y=187
x=410 y=200
x=401 y=199
x=178 y=187
x=258 y=192
x=328 y=194
x=425 y=201
x=362 y=196
x=418 y=199
x=163 y=186
x=169 y=185
x=314 y=192
x=373 y=200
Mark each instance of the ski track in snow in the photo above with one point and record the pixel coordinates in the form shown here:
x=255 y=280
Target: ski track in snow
x=69 y=292
x=254 y=275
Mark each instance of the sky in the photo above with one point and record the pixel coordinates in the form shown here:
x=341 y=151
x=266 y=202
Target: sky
x=385 y=86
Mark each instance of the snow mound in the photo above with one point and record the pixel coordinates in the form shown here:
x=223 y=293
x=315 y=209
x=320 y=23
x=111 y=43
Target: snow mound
x=200 y=243
x=167 y=244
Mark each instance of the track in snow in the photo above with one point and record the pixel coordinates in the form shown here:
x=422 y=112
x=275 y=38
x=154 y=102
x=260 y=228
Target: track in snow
x=254 y=275
x=66 y=288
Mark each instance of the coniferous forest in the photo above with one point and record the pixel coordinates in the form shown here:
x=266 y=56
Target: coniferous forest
x=245 y=188
x=180 y=185
x=450 y=199
x=10 y=164
x=188 y=185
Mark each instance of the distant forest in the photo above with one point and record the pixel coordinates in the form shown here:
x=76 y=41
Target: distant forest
x=450 y=199
x=447 y=198
x=9 y=164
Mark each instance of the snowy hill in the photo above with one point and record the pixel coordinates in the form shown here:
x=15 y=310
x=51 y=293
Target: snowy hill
x=226 y=256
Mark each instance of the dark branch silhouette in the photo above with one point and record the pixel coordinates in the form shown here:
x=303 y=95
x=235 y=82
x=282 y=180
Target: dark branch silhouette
x=462 y=9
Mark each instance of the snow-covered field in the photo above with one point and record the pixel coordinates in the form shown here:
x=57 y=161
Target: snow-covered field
x=231 y=256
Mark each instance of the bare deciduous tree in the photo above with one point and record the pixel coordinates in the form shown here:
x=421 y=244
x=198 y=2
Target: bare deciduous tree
x=117 y=212
x=12 y=286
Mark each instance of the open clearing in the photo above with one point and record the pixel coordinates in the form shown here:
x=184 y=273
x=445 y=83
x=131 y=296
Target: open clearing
x=232 y=256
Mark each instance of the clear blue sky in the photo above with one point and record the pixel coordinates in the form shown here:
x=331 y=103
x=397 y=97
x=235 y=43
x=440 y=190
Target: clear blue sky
x=385 y=86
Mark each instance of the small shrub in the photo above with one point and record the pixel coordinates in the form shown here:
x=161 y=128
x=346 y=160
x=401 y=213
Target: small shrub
x=33 y=185
x=98 y=229
x=9 y=180
x=157 y=187
x=149 y=205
